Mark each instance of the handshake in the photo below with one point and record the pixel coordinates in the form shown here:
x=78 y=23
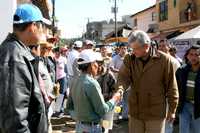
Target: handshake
x=118 y=95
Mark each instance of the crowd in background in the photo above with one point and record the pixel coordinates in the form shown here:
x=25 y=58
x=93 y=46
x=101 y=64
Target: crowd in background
x=147 y=79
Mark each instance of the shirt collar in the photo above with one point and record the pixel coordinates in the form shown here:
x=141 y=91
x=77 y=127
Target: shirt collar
x=26 y=51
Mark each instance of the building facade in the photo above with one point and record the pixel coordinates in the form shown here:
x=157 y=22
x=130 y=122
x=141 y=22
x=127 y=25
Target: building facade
x=127 y=20
x=98 y=30
x=7 y=8
x=177 y=15
x=146 y=20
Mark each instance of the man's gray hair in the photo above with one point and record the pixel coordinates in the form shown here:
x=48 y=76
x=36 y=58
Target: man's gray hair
x=139 y=36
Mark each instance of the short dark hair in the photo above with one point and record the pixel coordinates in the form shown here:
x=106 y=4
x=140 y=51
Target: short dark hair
x=57 y=49
x=77 y=48
x=83 y=67
x=187 y=52
x=33 y=47
x=194 y=47
x=122 y=45
x=21 y=27
x=162 y=41
x=173 y=49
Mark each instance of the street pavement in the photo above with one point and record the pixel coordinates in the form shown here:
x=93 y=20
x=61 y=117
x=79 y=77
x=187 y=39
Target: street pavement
x=67 y=125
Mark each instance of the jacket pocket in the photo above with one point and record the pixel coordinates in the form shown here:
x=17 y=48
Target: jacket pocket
x=133 y=103
x=157 y=105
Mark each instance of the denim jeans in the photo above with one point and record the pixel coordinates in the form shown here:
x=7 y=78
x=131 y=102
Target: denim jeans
x=187 y=123
x=125 y=105
x=63 y=87
x=168 y=127
x=84 y=128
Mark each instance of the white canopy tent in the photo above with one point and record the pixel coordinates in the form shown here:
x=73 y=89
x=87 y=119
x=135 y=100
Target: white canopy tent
x=193 y=34
x=186 y=40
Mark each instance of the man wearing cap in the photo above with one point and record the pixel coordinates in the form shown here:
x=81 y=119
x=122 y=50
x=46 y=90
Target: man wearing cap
x=21 y=99
x=72 y=56
x=88 y=44
x=86 y=98
x=151 y=75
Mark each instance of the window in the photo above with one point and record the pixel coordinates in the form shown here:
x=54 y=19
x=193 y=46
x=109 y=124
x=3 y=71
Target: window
x=163 y=10
x=174 y=3
x=153 y=16
x=135 y=22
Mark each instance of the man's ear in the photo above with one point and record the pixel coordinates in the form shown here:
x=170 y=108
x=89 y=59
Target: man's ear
x=31 y=28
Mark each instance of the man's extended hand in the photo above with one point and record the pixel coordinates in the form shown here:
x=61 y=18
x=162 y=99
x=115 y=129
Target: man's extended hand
x=171 y=117
x=118 y=95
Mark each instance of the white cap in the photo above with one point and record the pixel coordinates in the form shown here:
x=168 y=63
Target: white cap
x=109 y=50
x=88 y=42
x=78 y=44
x=88 y=56
x=99 y=56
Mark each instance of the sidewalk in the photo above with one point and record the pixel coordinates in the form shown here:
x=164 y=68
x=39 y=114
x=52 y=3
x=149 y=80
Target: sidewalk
x=67 y=125
x=63 y=125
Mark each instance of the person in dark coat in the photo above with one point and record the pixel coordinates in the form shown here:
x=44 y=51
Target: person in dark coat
x=188 y=79
x=22 y=108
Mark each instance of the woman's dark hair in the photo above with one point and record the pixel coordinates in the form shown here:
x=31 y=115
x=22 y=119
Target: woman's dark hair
x=83 y=67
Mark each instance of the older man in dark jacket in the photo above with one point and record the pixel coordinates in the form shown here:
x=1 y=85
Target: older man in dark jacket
x=22 y=107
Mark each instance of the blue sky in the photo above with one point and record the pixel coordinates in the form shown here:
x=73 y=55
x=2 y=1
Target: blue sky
x=73 y=14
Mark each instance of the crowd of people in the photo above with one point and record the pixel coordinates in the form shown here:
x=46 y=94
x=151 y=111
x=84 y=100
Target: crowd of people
x=152 y=84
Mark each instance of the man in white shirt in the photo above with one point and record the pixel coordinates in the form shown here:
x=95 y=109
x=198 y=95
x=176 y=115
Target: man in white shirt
x=72 y=56
x=117 y=60
x=88 y=44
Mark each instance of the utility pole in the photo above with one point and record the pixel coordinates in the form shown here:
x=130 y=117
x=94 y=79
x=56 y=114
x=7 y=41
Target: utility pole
x=115 y=11
x=53 y=17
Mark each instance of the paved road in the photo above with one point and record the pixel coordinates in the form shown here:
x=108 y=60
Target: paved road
x=67 y=125
x=63 y=125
